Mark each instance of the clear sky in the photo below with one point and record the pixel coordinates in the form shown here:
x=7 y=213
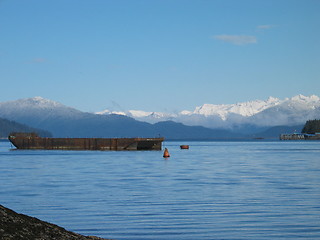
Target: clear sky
x=158 y=55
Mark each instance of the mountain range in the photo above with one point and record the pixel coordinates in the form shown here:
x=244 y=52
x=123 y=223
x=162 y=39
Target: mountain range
x=64 y=121
x=258 y=113
x=257 y=118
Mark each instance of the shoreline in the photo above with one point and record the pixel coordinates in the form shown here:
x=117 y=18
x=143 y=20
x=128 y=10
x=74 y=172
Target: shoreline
x=14 y=225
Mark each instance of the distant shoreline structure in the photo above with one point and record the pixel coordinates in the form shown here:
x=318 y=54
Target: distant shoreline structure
x=310 y=131
x=300 y=136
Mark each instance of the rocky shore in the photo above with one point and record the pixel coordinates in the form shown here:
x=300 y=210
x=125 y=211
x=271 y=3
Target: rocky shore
x=19 y=226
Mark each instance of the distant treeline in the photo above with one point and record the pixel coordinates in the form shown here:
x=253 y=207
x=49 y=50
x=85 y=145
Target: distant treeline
x=312 y=127
x=7 y=126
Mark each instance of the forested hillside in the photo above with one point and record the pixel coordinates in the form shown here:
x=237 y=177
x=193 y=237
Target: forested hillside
x=312 y=127
x=6 y=127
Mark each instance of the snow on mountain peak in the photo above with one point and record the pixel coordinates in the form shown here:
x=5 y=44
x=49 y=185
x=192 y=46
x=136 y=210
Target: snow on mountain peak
x=273 y=100
x=38 y=98
x=186 y=112
x=139 y=114
x=226 y=115
x=306 y=99
x=107 y=112
x=40 y=101
x=35 y=102
x=244 y=109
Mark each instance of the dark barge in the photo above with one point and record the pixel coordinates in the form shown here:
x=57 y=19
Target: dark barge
x=33 y=141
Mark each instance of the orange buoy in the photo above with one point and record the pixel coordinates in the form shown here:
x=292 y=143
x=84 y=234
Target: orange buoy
x=166 y=153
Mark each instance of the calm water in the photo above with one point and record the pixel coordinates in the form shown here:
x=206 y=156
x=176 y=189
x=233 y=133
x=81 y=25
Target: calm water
x=214 y=190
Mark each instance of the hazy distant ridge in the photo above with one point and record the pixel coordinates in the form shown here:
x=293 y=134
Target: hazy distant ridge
x=7 y=127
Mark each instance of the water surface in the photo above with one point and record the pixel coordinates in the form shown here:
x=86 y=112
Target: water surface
x=214 y=190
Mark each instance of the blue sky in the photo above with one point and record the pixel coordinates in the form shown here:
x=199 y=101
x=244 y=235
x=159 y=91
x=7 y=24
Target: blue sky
x=158 y=55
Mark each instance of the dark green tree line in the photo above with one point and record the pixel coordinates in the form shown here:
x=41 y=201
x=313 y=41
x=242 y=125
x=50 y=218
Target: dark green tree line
x=312 y=127
x=7 y=126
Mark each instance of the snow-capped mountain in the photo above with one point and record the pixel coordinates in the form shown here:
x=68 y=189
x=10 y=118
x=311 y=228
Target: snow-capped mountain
x=32 y=103
x=270 y=112
x=35 y=107
x=108 y=112
x=291 y=111
x=244 y=109
x=244 y=118
x=64 y=121
x=150 y=117
x=138 y=114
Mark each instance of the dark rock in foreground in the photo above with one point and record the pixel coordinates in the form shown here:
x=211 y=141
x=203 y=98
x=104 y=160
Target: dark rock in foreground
x=19 y=226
